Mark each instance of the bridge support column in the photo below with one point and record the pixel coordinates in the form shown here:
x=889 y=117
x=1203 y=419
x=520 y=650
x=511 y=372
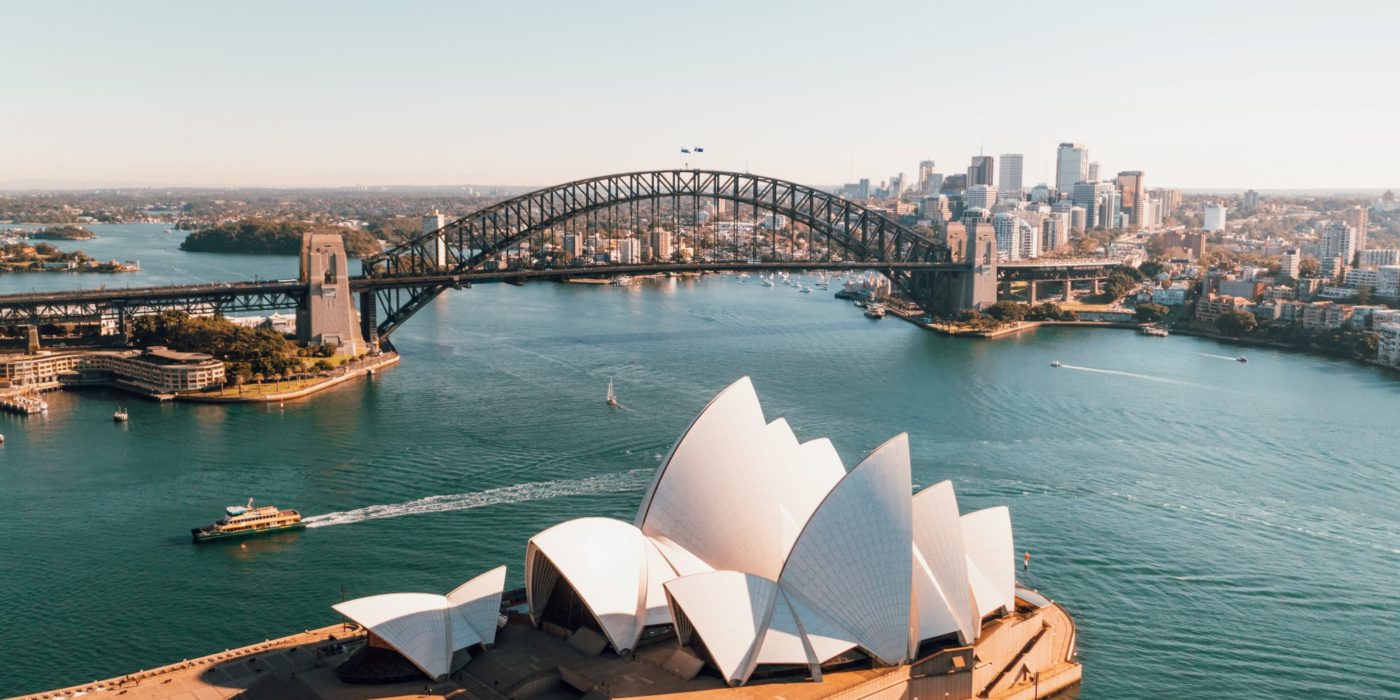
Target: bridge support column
x=327 y=315
x=1098 y=288
x=1032 y=292
x=32 y=343
x=369 y=324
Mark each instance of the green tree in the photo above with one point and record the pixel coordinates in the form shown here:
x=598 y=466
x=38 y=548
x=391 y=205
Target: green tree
x=1150 y=313
x=1236 y=323
x=1007 y=311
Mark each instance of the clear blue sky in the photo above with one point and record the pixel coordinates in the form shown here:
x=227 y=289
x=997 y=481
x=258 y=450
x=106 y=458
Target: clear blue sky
x=1197 y=94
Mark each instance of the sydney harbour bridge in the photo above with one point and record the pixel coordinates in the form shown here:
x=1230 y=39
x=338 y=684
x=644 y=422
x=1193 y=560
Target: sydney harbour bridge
x=524 y=238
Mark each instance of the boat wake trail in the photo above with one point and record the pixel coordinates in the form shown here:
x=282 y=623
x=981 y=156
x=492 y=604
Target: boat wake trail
x=517 y=493
x=1134 y=375
x=1218 y=357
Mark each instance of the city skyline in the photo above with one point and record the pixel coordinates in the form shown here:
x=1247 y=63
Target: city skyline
x=1206 y=97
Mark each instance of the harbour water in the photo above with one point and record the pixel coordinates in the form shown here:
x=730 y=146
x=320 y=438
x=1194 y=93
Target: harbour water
x=1217 y=529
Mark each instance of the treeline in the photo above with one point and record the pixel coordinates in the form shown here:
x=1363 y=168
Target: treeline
x=246 y=352
x=273 y=237
x=64 y=233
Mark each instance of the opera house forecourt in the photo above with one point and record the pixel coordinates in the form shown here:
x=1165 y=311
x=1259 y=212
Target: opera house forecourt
x=756 y=566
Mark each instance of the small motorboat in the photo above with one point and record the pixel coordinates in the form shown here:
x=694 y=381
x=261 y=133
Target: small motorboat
x=612 y=395
x=120 y=415
x=1241 y=358
x=1057 y=363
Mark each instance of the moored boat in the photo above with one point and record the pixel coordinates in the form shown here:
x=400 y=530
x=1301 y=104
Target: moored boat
x=120 y=415
x=243 y=521
x=874 y=311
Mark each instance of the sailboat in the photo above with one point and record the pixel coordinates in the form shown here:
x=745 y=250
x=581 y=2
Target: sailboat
x=612 y=395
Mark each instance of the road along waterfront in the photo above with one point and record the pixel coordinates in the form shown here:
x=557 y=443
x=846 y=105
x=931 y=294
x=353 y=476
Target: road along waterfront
x=1208 y=524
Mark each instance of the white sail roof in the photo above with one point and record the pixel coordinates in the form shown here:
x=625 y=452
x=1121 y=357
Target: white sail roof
x=414 y=624
x=734 y=491
x=474 y=607
x=853 y=561
x=729 y=610
x=605 y=561
x=942 y=597
x=991 y=558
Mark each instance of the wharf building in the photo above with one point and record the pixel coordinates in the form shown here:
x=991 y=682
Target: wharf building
x=753 y=560
x=155 y=370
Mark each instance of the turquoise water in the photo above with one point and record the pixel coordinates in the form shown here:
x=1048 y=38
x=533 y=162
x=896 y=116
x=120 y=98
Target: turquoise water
x=1216 y=529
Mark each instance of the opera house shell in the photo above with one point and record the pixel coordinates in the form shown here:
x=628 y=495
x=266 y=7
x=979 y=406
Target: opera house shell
x=763 y=557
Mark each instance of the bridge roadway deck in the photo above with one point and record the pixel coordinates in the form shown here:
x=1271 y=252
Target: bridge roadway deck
x=132 y=295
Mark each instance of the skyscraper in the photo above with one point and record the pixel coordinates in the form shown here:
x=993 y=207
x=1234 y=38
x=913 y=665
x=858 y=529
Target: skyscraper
x=981 y=171
x=984 y=196
x=1100 y=201
x=925 y=175
x=1130 y=183
x=1358 y=218
x=1071 y=166
x=1010 y=181
x=1093 y=172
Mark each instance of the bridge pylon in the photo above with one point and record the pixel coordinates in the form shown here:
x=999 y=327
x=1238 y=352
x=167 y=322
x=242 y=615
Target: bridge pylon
x=947 y=293
x=327 y=316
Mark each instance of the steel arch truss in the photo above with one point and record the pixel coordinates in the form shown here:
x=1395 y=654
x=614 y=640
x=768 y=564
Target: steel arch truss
x=472 y=242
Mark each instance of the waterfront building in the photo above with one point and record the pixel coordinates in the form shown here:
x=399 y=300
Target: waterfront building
x=1130 y=184
x=982 y=172
x=1388 y=347
x=626 y=251
x=1071 y=166
x=1326 y=315
x=436 y=248
x=1376 y=257
x=155 y=370
x=1214 y=218
x=1009 y=182
x=981 y=196
x=1213 y=306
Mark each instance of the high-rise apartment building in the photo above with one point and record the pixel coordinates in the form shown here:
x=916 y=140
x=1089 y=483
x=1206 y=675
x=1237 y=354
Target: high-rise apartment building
x=1251 y=199
x=1054 y=231
x=1214 y=219
x=1010 y=180
x=1130 y=183
x=1101 y=203
x=1292 y=264
x=1375 y=257
x=981 y=171
x=1338 y=243
x=659 y=244
x=436 y=249
x=1358 y=218
x=1071 y=166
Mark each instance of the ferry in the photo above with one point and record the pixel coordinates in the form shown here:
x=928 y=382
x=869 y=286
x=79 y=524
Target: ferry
x=242 y=521
x=1155 y=331
x=874 y=311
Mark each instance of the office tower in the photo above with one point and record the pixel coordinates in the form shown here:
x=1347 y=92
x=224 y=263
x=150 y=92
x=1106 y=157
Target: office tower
x=1042 y=194
x=1078 y=217
x=1171 y=200
x=1010 y=180
x=981 y=171
x=1214 y=217
x=1151 y=214
x=864 y=190
x=954 y=183
x=435 y=250
x=896 y=185
x=935 y=206
x=925 y=175
x=934 y=184
x=1071 y=166
x=1094 y=172
x=1338 y=242
x=1358 y=218
x=984 y=196
x=1251 y=199
x=1130 y=183
x=1100 y=202
x=1292 y=264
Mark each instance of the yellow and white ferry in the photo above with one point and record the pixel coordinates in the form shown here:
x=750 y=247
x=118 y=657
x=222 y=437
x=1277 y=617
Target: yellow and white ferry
x=241 y=521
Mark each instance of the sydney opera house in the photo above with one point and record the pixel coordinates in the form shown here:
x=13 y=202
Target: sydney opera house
x=756 y=565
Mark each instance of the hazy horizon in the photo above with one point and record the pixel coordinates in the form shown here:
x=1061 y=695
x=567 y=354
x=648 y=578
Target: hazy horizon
x=1205 y=97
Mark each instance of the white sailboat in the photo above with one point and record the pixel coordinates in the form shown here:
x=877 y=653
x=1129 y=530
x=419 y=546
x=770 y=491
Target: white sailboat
x=612 y=395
